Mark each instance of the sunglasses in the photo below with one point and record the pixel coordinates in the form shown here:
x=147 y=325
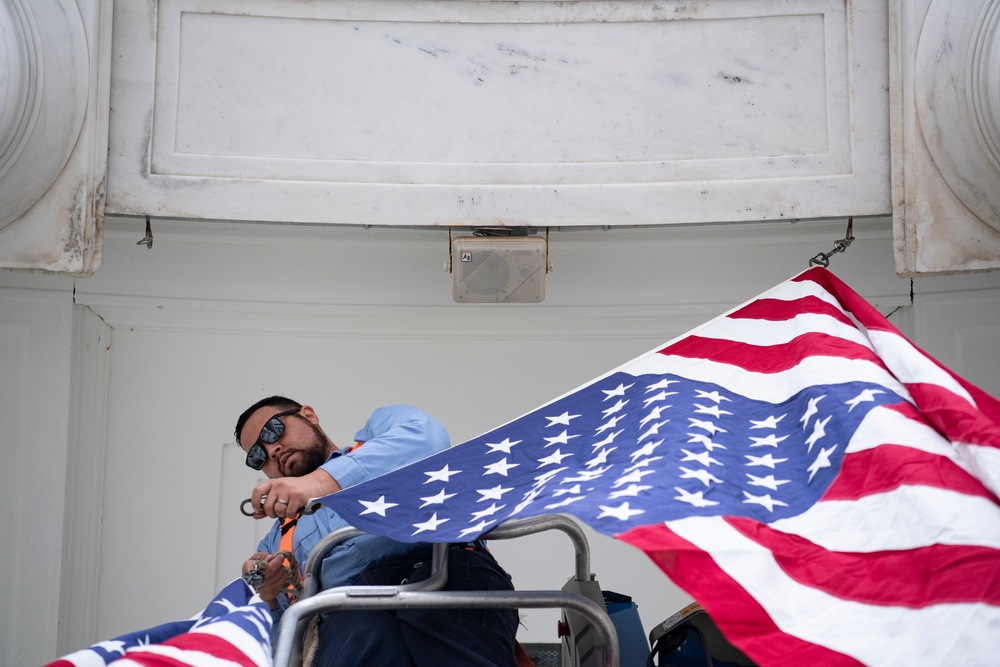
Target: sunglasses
x=269 y=434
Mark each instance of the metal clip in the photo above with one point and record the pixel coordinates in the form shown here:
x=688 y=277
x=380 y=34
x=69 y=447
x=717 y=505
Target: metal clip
x=147 y=240
x=823 y=258
x=310 y=507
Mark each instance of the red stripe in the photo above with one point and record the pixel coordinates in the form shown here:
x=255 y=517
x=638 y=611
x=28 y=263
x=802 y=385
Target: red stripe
x=848 y=299
x=889 y=467
x=869 y=317
x=954 y=417
x=916 y=578
x=769 y=358
x=776 y=310
x=194 y=643
x=740 y=617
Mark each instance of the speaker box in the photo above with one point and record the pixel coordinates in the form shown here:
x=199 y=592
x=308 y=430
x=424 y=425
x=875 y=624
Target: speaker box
x=490 y=269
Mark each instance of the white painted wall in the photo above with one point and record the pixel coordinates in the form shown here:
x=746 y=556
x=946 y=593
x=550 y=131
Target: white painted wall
x=214 y=317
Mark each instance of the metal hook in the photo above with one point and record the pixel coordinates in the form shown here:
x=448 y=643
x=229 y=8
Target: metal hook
x=247 y=509
x=823 y=258
x=147 y=240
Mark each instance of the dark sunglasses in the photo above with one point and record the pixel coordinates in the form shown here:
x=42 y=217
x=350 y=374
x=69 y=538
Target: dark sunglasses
x=269 y=434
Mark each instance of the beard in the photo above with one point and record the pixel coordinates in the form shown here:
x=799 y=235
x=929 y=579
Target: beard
x=310 y=454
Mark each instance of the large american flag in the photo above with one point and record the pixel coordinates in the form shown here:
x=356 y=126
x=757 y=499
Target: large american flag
x=233 y=630
x=827 y=491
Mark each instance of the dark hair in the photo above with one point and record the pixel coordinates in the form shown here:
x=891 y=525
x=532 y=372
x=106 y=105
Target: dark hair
x=279 y=402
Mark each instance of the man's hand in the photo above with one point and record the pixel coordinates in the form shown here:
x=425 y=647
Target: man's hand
x=275 y=576
x=285 y=496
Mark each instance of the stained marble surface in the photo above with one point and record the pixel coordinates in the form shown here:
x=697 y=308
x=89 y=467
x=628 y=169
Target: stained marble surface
x=541 y=113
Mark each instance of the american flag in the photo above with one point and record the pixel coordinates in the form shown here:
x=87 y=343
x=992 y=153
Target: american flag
x=826 y=491
x=234 y=630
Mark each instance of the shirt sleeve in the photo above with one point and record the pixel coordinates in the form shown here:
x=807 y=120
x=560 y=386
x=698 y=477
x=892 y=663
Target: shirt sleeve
x=392 y=437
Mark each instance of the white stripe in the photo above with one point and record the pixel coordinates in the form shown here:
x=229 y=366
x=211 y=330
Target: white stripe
x=185 y=656
x=910 y=365
x=771 y=387
x=85 y=658
x=238 y=637
x=983 y=463
x=790 y=291
x=905 y=518
x=776 y=332
x=885 y=425
x=879 y=636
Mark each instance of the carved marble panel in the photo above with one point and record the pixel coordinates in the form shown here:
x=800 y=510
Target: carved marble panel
x=54 y=83
x=425 y=112
x=946 y=135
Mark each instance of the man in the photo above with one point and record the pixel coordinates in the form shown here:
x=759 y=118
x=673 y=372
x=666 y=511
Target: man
x=283 y=438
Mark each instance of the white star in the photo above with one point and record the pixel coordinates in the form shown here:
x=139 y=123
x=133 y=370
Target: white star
x=617 y=391
x=765 y=500
x=654 y=414
x=561 y=439
x=441 y=475
x=711 y=395
x=608 y=440
x=657 y=397
x=645 y=450
x=496 y=493
x=563 y=419
x=112 y=646
x=501 y=446
x=822 y=461
x=623 y=512
x=819 y=430
x=708 y=426
x=602 y=457
x=430 y=524
x=631 y=490
x=634 y=476
x=489 y=511
x=378 y=507
x=586 y=475
x=611 y=423
x=545 y=478
x=528 y=499
x=713 y=410
x=499 y=468
x=770 y=422
x=810 y=410
x=696 y=499
x=643 y=463
x=768 y=482
x=653 y=430
x=866 y=396
x=710 y=445
x=563 y=502
x=702 y=476
x=766 y=460
x=436 y=499
x=477 y=529
x=704 y=458
x=553 y=459
x=770 y=441
x=617 y=407
x=662 y=384
x=573 y=490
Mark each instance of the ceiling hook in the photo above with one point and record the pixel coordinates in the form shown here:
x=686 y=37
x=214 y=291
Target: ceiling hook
x=823 y=258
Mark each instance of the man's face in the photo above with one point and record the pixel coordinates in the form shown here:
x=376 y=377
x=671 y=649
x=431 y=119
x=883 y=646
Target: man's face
x=301 y=449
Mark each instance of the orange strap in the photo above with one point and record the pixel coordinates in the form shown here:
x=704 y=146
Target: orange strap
x=288 y=527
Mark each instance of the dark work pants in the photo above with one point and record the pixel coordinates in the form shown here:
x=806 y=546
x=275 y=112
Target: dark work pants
x=424 y=637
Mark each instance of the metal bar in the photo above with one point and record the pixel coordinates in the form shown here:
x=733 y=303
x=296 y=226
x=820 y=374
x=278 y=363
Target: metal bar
x=536 y=524
x=314 y=564
x=295 y=618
